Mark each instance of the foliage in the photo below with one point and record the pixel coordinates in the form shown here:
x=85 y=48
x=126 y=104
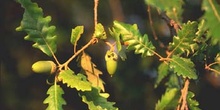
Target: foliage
x=75 y=81
x=212 y=19
x=55 y=99
x=96 y=100
x=168 y=100
x=188 y=46
x=37 y=27
x=173 y=8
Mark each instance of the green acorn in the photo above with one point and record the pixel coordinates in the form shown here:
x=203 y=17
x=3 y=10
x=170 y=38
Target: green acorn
x=44 y=67
x=111 y=62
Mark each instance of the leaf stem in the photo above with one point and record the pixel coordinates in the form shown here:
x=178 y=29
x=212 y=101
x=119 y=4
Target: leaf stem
x=110 y=45
x=55 y=58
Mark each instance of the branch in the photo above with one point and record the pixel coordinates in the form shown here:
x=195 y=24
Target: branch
x=92 y=41
x=182 y=101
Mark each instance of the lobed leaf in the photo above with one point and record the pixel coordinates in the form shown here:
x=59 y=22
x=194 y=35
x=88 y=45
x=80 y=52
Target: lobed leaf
x=132 y=37
x=173 y=8
x=184 y=41
x=96 y=101
x=193 y=104
x=75 y=81
x=169 y=100
x=55 y=99
x=183 y=66
x=91 y=71
x=163 y=70
x=37 y=27
x=212 y=19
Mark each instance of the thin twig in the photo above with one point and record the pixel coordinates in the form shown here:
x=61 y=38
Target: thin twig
x=174 y=27
x=152 y=28
x=208 y=67
x=96 y=2
x=92 y=41
x=151 y=22
x=182 y=101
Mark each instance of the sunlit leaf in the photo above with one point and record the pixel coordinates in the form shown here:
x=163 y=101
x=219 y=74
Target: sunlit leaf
x=100 y=31
x=37 y=27
x=91 y=71
x=173 y=8
x=169 y=100
x=132 y=37
x=75 y=81
x=212 y=19
x=184 y=41
x=96 y=101
x=184 y=67
x=55 y=99
x=163 y=71
x=76 y=34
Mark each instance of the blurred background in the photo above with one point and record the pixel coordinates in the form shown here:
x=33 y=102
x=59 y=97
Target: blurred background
x=132 y=86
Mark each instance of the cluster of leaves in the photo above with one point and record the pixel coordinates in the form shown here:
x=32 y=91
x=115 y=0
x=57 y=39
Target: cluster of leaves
x=189 y=44
x=90 y=88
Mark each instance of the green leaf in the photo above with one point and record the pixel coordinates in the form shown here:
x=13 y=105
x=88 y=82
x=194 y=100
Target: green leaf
x=192 y=104
x=55 y=99
x=173 y=8
x=163 y=71
x=183 y=66
x=76 y=34
x=174 y=81
x=131 y=35
x=184 y=41
x=121 y=49
x=100 y=31
x=96 y=101
x=169 y=100
x=212 y=18
x=117 y=38
x=37 y=27
x=75 y=81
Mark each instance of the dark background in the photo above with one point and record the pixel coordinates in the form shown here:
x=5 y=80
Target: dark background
x=132 y=86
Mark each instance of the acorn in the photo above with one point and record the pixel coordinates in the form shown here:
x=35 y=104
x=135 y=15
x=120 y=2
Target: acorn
x=44 y=67
x=111 y=62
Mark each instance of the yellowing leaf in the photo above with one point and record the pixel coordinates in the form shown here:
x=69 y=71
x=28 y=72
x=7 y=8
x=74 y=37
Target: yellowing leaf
x=91 y=71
